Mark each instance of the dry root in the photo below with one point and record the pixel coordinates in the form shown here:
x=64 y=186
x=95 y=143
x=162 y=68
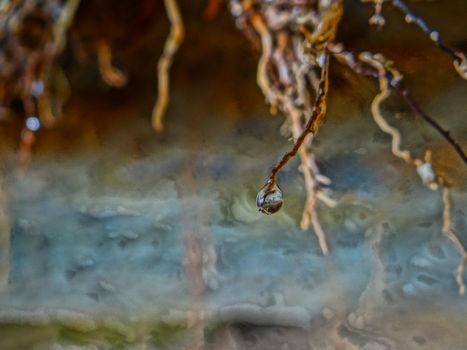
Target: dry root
x=263 y=63
x=171 y=46
x=378 y=62
x=110 y=74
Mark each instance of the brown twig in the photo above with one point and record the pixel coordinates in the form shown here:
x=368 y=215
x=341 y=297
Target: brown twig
x=416 y=109
x=312 y=125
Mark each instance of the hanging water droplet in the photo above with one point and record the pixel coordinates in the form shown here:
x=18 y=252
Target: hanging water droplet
x=269 y=201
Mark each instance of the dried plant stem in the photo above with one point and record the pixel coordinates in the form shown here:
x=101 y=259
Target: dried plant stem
x=172 y=43
x=451 y=235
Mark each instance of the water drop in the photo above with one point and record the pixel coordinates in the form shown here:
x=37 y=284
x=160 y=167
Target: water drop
x=33 y=123
x=269 y=201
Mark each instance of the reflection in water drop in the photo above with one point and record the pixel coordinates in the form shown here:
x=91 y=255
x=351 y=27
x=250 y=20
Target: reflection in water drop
x=269 y=200
x=33 y=123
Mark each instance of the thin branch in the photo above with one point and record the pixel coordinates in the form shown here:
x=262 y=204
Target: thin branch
x=410 y=17
x=419 y=112
x=396 y=83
